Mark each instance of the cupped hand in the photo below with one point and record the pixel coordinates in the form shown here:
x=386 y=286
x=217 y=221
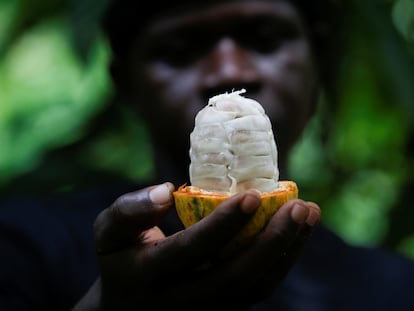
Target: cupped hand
x=141 y=268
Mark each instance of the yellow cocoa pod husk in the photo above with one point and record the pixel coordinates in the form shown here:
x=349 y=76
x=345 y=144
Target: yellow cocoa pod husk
x=193 y=204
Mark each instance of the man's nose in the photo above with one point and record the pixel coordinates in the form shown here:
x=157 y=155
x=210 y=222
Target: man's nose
x=228 y=64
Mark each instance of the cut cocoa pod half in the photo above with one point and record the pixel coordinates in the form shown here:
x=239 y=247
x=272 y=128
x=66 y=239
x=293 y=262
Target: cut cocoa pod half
x=193 y=204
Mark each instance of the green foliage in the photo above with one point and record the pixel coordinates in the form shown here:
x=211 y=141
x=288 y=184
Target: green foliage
x=357 y=166
x=403 y=18
x=133 y=162
x=406 y=246
x=46 y=95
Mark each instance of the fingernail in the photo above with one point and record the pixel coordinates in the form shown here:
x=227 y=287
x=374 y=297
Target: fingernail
x=313 y=217
x=250 y=202
x=299 y=213
x=161 y=194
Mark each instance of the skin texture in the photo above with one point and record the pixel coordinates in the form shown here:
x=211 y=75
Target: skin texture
x=174 y=66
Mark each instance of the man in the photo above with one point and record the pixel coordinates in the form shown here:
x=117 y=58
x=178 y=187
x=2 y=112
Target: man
x=167 y=63
x=167 y=73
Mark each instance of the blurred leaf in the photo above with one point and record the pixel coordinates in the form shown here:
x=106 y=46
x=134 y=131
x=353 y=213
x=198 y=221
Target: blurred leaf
x=308 y=159
x=85 y=16
x=125 y=151
x=8 y=12
x=403 y=17
x=406 y=246
x=21 y=15
x=18 y=16
x=46 y=91
x=359 y=213
x=369 y=130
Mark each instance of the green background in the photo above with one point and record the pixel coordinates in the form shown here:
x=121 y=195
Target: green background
x=358 y=164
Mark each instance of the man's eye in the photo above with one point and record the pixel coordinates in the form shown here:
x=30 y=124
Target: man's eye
x=177 y=51
x=266 y=36
x=170 y=51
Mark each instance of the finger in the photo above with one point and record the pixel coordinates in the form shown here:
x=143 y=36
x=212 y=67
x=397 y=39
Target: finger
x=275 y=239
x=315 y=216
x=120 y=225
x=205 y=239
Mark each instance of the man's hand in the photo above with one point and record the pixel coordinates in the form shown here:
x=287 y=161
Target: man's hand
x=143 y=269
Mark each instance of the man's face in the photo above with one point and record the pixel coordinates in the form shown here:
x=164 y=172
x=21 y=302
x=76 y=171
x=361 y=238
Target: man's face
x=180 y=61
